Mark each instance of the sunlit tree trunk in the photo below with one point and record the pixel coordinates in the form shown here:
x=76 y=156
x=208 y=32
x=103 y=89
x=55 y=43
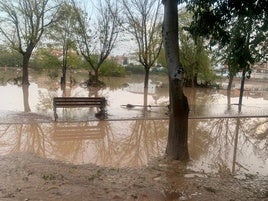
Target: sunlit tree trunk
x=177 y=146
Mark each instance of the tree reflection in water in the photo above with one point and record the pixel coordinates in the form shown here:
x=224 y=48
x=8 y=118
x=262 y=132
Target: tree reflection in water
x=226 y=145
x=132 y=143
x=230 y=145
x=24 y=138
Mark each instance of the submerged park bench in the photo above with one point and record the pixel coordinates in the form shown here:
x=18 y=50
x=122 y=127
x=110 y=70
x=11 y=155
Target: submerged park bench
x=74 y=102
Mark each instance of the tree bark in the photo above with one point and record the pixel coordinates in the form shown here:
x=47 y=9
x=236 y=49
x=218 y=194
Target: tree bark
x=242 y=89
x=146 y=85
x=64 y=63
x=229 y=87
x=177 y=145
x=25 y=71
x=25 y=91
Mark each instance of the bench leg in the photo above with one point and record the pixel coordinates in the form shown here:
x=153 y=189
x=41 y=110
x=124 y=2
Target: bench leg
x=101 y=113
x=55 y=114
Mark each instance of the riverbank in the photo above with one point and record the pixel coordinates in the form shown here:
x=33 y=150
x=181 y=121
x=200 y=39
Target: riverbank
x=28 y=177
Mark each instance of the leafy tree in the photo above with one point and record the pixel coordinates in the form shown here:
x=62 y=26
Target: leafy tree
x=193 y=55
x=143 y=22
x=177 y=146
x=45 y=59
x=237 y=26
x=22 y=24
x=195 y=60
x=96 y=40
x=161 y=58
x=62 y=33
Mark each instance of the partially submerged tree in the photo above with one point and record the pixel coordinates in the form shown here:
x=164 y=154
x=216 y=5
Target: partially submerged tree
x=22 y=23
x=143 y=21
x=96 y=40
x=177 y=146
x=238 y=27
x=193 y=55
x=62 y=34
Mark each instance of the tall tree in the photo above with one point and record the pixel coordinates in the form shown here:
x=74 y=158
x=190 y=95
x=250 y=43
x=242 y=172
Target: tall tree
x=239 y=27
x=62 y=34
x=22 y=23
x=97 y=39
x=143 y=21
x=193 y=55
x=177 y=146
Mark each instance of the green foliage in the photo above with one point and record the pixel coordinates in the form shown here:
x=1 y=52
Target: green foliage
x=238 y=28
x=135 y=69
x=159 y=70
x=111 y=68
x=10 y=58
x=193 y=56
x=161 y=58
x=76 y=61
x=49 y=177
x=45 y=59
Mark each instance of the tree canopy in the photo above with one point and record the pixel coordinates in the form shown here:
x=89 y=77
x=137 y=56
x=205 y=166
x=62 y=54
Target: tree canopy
x=22 y=24
x=239 y=26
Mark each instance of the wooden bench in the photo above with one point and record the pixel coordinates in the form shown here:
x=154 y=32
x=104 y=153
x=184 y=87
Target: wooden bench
x=74 y=102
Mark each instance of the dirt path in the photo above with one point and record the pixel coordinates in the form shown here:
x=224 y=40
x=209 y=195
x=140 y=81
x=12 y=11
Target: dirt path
x=25 y=177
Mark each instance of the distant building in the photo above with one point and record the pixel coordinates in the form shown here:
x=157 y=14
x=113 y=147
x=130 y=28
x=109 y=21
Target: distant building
x=260 y=71
x=126 y=60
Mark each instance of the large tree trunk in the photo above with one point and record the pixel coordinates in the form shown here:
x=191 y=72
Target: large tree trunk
x=177 y=146
x=25 y=73
x=96 y=75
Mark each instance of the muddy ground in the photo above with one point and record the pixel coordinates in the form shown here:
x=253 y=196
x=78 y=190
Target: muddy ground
x=26 y=177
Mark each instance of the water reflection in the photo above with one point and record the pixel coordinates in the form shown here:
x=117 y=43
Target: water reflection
x=122 y=91
x=215 y=145
x=230 y=145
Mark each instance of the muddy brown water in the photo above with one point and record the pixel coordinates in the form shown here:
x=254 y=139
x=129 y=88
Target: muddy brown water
x=221 y=139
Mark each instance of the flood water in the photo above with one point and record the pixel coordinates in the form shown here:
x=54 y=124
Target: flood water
x=219 y=141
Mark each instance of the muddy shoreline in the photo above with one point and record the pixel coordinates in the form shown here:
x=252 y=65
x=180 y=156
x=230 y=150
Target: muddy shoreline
x=28 y=177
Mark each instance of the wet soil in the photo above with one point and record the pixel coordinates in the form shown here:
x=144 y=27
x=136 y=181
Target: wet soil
x=25 y=177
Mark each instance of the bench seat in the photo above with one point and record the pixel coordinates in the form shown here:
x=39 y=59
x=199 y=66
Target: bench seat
x=74 y=102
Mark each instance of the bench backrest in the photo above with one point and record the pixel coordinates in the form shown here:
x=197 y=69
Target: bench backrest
x=78 y=101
